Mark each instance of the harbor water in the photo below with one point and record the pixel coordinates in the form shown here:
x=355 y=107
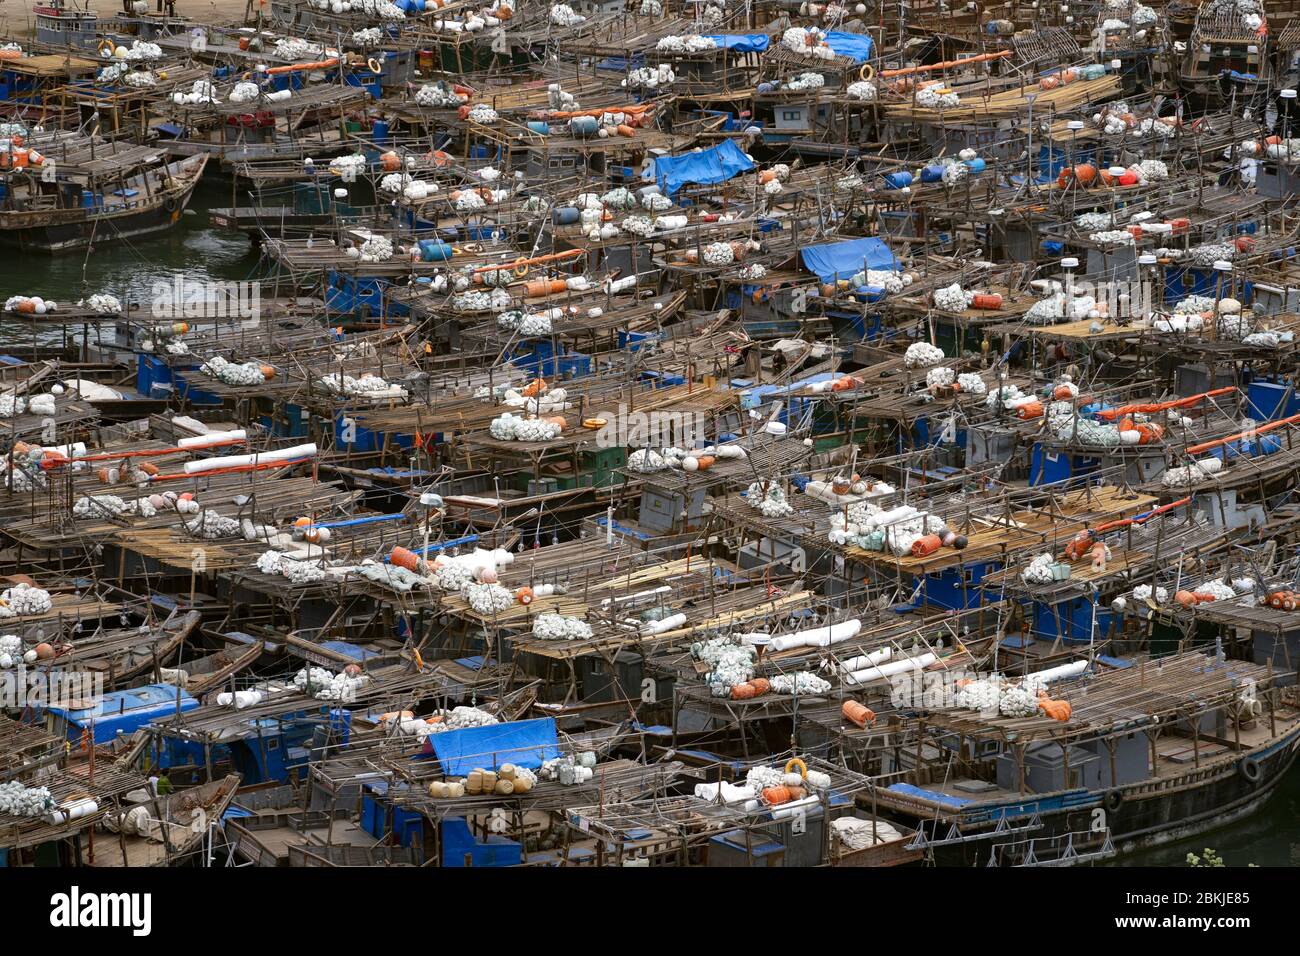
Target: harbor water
x=131 y=267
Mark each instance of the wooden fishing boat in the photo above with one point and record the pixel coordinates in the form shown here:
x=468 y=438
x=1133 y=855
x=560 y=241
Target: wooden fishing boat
x=92 y=192
x=1156 y=751
x=174 y=829
x=210 y=671
x=123 y=655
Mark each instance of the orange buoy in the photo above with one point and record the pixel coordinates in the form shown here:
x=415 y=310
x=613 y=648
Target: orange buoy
x=404 y=558
x=926 y=545
x=858 y=714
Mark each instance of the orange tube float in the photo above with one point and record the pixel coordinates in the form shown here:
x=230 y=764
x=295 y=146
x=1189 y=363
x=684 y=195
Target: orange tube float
x=987 y=300
x=948 y=64
x=1148 y=408
x=926 y=545
x=404 y=558
x=773 y=796
x=540 y=287
x=634 y=110
x=857 y=714
x=1206 y=446
x=294 y=67
x=534 y=261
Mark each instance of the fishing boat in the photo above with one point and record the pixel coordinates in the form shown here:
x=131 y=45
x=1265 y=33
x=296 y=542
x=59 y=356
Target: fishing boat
x=70 y=191
x=167 y=830
x=1156 y=751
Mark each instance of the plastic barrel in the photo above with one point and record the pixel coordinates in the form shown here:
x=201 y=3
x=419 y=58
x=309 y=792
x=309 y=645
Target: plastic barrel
x=566 y=215
x=932 y=174
x=898 y=180
x=380 y=131
x=537 y=126
x=433 y=251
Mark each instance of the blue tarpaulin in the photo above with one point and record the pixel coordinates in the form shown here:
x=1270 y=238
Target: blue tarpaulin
x=708 y=166
x=740 y=42
x=855 y=45
x=525 y=743
x=840 y=260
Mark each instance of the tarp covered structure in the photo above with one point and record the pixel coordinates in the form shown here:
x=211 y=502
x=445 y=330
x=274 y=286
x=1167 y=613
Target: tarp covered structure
x=740 y=42
x=708 y=166
x=857 y=46
x=840 y=260
x=525 y=743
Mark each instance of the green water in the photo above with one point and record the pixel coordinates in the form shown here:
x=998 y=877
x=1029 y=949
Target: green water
x=123 y=267
x=1269 y=838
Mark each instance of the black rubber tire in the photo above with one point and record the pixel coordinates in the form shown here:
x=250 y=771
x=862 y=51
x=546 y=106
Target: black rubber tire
x=1113 y=800
x=1250 y=769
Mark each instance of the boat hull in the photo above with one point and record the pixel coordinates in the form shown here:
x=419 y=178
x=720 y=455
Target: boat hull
x=67 y=230
x=1143 y=819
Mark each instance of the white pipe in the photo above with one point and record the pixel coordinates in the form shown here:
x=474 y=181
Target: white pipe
x=212 y=438
x=794 y=806
x=257 y=458
x=662 y=589
x=818 y=636
x=890 y=669
x=667 y=624
x=892 y=516
x=1071 y=669
x=863 y=661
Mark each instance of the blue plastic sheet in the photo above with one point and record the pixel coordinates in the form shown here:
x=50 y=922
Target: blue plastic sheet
x=708 y=166
x=740 y=42
x=841 y=260
x=855 y=45
x=909 y=790
x=525 y=743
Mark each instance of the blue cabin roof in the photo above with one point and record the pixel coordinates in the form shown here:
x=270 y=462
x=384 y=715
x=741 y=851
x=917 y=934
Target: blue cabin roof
x=126 y=710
